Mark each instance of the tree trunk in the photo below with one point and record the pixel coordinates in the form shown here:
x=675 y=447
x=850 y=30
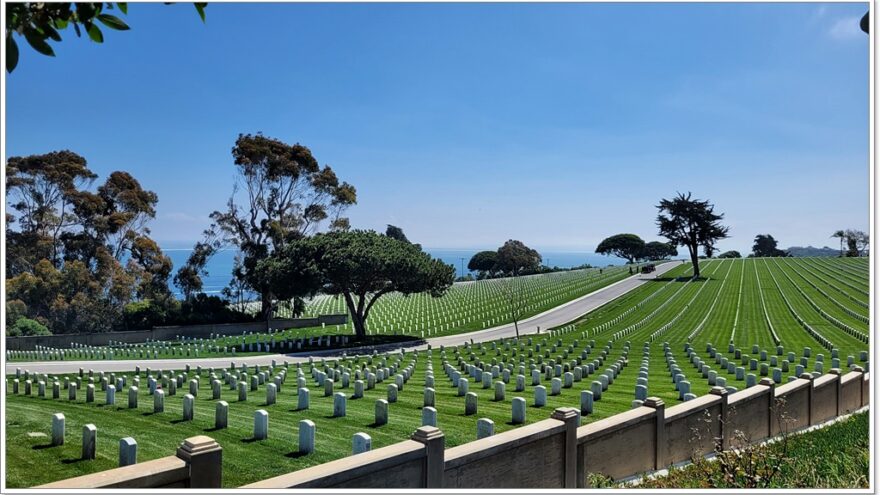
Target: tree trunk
x=695 y=259
x=360 y=328
x=357 y=318
x=516 y=327
x=266 y=304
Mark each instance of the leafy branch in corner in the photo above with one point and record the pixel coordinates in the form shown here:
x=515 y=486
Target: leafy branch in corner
x=41 y=22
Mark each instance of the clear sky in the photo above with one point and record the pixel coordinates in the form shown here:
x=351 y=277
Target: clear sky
x=469 y=124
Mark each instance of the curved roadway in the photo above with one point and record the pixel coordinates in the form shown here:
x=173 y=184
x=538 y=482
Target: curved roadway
x=554 y=317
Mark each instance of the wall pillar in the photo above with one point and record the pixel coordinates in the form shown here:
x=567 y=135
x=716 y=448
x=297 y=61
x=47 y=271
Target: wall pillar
x=836 y=372
x=809 y=377
x=723 y=441
x=659 y=407
x=569 y=416
x=771 y=403
x=435 y=463
x=204 y=457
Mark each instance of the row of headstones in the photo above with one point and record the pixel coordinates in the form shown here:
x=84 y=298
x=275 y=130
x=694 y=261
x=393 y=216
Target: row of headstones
x=587 y=397
x=127 y=445
x=549 y=368
x=780 y=350
x=779 y=365
x=153 y=349
x=682 y=385
x=764 y=369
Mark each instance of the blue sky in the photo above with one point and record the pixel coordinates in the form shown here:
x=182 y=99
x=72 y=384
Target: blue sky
x=469 y=124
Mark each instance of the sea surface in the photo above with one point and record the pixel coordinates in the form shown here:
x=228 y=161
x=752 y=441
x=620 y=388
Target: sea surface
x=220 y=266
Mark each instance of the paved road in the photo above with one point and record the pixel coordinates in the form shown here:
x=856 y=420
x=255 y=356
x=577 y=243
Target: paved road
x=553 y=317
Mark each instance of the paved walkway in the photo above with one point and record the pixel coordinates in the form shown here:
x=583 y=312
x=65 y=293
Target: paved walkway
x=559 y=315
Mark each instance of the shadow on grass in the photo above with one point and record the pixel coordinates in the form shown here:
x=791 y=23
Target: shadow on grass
x=72 y=461
x=249 y=440
x=181 y=420
x=295 y=455
x=45 y=446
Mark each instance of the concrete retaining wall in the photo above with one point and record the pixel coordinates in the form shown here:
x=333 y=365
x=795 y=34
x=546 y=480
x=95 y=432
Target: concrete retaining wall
x=555 y=453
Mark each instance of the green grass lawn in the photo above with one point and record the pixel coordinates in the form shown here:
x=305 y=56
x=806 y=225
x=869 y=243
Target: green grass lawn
x=465 y=308
x=724 y=306
x=836 y=456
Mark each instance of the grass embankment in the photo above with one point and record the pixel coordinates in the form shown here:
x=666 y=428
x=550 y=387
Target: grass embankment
x=836 y=456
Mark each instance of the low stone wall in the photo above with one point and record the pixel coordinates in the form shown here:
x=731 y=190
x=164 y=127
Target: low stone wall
x=623 y=444
x=413 y=463
x=526 y=457
x=63 y=341
x=553 y=453
x=197 y=464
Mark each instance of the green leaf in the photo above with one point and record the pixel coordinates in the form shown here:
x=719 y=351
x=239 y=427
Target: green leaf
x=50 y=32
x=95 y=33
x=11 y=53
x=200 y=8
x=123 y=7
x=38 y=43
x=60 y=23
x=113 y=22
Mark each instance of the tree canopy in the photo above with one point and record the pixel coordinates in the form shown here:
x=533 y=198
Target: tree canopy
x=285 y=196
x=360 y=265
x=730 y=254
x=76 y=257
x=656 y=250
x=691 y=223
x=515 y=258
x=484 y=262
x=765 y=246
x=396 y=232
x=627 y=246
x=857 y=242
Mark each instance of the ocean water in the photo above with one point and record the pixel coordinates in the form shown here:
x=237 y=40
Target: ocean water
x=220 y=266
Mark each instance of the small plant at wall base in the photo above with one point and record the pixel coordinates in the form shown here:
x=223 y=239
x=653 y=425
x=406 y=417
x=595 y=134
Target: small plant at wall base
x=794 y=461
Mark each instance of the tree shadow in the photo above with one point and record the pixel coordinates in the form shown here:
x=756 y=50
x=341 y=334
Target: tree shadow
x=295 y=455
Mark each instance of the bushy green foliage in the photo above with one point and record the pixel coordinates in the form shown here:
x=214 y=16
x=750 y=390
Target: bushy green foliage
x=25 y=326
x=199 y=310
